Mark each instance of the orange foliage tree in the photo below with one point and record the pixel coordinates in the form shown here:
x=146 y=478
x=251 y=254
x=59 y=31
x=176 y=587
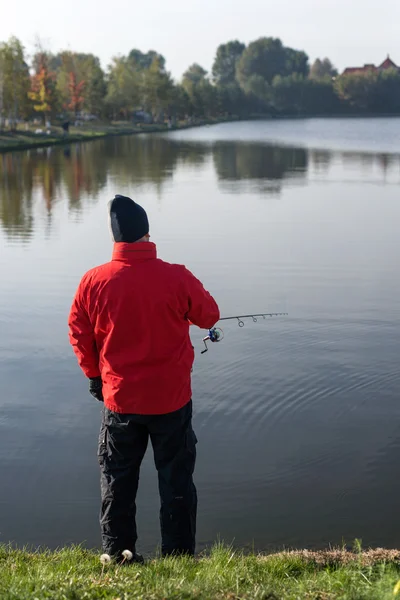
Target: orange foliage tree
x=42 y=91
x=76 y=91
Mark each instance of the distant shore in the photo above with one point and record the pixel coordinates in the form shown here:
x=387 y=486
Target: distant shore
x=24 y=139
x=27 y=139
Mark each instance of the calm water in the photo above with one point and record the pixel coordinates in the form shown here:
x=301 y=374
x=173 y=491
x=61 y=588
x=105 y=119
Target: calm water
x=297 y=418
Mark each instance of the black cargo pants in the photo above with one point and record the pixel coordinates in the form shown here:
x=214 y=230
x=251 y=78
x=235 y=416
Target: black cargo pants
x=122 y=444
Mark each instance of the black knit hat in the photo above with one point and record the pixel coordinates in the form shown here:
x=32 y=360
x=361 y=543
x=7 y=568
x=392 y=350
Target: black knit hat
x=128 y=220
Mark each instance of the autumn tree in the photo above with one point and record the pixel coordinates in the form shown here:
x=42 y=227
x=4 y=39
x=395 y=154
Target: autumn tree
x=76 y=89
x=43 y=93
x=80 y=76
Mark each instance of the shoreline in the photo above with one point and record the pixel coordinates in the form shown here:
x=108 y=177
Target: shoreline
x=24 y=140
x=223 y=573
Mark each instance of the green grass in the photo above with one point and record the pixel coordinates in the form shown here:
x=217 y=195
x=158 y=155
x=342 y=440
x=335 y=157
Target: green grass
x=75 y=573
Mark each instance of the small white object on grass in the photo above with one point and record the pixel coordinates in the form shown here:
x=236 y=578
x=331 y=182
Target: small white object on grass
x=105 y=559
x=127 y=554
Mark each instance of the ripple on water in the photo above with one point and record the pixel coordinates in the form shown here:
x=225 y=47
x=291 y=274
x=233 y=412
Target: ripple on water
x=299 y=387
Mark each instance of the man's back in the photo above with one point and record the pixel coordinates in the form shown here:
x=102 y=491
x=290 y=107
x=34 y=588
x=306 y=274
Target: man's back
x=129 y=327
x=129 y=323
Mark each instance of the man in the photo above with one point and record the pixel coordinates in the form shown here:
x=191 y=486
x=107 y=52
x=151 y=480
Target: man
x=129 y=327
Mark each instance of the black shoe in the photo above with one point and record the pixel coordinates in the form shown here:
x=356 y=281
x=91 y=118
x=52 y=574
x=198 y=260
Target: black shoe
x=122 y=560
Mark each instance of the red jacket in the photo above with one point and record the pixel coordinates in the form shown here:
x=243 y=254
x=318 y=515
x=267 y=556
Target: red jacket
x=129 y=324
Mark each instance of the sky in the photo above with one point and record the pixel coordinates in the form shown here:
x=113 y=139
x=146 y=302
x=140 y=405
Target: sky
x=349 y=32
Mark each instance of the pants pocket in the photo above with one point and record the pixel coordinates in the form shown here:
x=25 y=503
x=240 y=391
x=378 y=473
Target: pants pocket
x=191 y=440
x=102 y=443
x=189 y=452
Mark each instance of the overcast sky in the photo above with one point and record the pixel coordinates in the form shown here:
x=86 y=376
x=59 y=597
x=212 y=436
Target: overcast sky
x=349 y=32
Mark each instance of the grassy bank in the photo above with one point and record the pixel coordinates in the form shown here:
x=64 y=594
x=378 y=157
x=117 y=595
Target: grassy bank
x=74 y=574
x=26 y=138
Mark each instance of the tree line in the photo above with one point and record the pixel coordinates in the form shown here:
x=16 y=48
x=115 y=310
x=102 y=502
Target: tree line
x=263 y=78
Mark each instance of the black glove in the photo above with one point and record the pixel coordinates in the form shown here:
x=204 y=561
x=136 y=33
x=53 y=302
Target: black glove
x=96 y=388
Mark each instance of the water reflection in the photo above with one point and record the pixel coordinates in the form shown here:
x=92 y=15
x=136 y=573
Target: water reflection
x=262 y=167
x=81 y=171
x=257 y=161
x=321 y=159
x=47 y=174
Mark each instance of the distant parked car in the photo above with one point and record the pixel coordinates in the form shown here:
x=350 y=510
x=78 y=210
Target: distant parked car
x=141 y=116
x=86 y=117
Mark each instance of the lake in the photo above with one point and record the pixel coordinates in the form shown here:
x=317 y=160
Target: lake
x=298 y=416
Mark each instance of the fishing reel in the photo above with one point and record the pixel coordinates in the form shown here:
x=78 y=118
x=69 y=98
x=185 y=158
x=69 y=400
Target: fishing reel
x=215 y=334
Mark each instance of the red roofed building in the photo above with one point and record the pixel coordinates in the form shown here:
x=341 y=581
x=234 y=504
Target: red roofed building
x=387 y=64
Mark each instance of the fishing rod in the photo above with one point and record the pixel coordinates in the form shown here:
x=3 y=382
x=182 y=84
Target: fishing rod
x=216 y=334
